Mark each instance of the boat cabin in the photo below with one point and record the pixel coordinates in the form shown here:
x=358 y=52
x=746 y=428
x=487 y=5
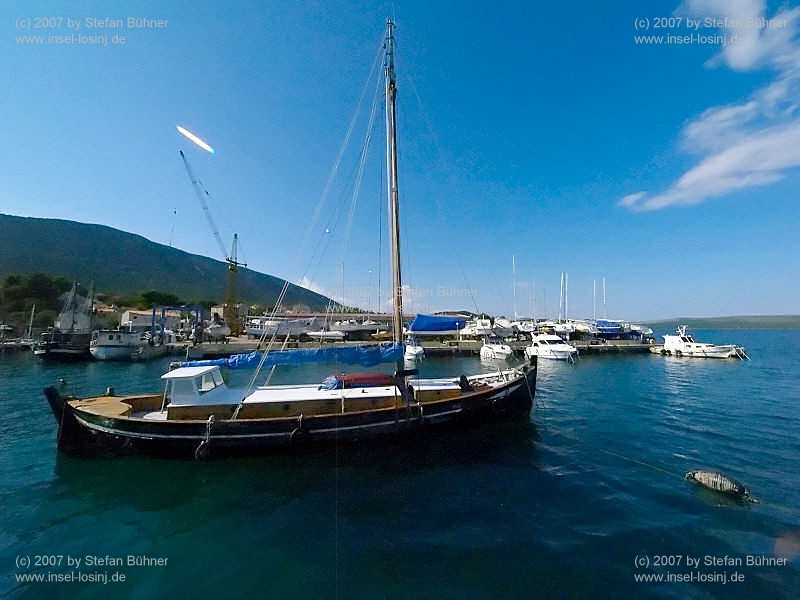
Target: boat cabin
x=197 y=386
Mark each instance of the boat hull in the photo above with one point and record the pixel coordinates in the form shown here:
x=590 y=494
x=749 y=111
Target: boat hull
x=712 y=352
x=86 y=433
x=555 y=354
x=128 y=353
x=72 y=350
x=489 y=354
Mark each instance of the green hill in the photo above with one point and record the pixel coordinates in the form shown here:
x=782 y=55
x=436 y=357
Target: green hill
x=741 y=322
x=124 y=263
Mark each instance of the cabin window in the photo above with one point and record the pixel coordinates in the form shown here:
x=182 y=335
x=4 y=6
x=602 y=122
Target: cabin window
x=208 y=383
x=111 y=338
x=183 y=387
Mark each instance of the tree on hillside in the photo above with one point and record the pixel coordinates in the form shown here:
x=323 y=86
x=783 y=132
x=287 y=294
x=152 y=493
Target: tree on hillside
x=19 y=292
x=152 y=297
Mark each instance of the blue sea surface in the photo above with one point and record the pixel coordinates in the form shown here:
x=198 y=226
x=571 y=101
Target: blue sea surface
x=584 y=499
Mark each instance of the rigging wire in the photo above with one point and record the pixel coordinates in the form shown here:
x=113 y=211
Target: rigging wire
x=354 y=183
x=361 y=164
x=310 y=228
x=345 y=143
x=451 y=179
x=359 y=177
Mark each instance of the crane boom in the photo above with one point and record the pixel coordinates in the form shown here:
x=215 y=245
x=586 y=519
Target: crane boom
x=232 y=280
x=199 y=192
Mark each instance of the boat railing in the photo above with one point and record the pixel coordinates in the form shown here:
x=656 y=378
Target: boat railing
x=740 y=353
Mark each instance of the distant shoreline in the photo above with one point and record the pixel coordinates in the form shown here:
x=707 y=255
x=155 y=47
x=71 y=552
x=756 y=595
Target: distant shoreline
x=740 y=322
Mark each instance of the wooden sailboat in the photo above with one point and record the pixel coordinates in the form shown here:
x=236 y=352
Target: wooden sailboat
x=68 y=339
x=197 y=415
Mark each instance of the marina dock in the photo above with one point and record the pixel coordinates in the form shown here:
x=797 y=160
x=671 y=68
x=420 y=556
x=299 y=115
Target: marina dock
x=242 y=345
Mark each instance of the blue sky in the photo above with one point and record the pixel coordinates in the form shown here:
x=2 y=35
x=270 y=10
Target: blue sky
x=547 y=133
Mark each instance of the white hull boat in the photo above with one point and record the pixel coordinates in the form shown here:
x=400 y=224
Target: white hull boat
x=682 y=344
x=551 y=347
x=327 y=335
x=413 y=351
x=268 y=326
x=494 y=351
x=128 y=344
x=483 y=327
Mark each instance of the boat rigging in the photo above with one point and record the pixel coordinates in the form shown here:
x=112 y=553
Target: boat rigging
x=198 y=416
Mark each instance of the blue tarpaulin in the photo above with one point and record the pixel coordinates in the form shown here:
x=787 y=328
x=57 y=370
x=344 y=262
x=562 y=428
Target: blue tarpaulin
x=436 y=323
x=608 y=329
x=366 y=356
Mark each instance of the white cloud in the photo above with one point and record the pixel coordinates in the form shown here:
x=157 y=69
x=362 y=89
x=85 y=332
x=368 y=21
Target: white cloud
x=756 y=161
x=755 y=46
x=718 y=127
x=632 y=199
x=310 y=285
x=748 y=144
x=315 y=287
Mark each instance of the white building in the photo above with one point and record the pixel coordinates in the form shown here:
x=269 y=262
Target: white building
x=144 y=318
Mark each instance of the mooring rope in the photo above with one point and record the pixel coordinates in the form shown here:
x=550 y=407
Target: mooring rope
x=203 y=448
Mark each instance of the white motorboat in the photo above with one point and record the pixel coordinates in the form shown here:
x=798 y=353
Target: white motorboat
x=585 y=327
x=217 y=330
x=550 y=346
x=324 y=334
x=681 y=343
x=129 y=343
x=483 y=327
x=495 y=350
x=264 y=325
x=355 y=329
x=413 y=351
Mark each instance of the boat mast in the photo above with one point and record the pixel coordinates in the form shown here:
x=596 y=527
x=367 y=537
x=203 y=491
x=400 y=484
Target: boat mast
x=30 y=323
x=391 y=179
x=514 y=282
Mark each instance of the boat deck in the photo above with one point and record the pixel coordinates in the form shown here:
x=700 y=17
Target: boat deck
x=119 y=406
x=299 y=393
x=288 y=400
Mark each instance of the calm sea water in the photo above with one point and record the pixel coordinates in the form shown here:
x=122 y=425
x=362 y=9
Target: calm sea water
x=575 y=502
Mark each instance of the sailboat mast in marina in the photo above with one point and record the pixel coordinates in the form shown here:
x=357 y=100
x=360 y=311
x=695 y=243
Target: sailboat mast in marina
x=198 y=416
x=392 y=185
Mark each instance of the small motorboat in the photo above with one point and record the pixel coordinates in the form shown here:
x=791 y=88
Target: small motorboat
x=494 y=349
x=681 y=343
x=546 y=345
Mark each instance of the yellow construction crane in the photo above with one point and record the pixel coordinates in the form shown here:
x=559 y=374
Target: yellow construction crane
x=229 y=312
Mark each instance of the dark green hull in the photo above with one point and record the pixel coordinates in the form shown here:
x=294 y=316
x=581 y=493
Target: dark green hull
x=84 y=433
